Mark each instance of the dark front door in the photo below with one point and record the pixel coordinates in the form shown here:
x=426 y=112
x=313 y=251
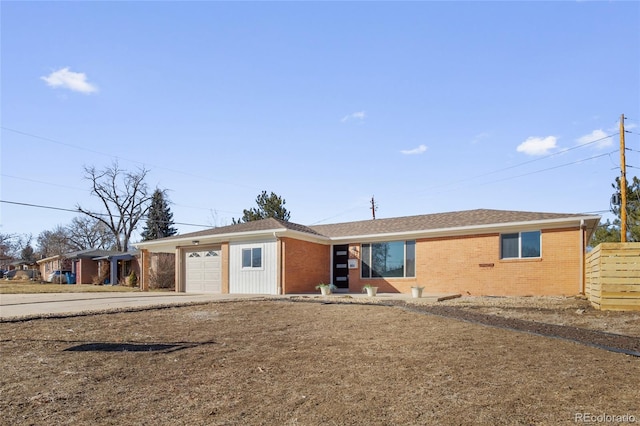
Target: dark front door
x=341 y=266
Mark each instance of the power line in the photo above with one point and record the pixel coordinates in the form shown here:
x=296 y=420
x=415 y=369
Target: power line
x=524 y=163
x=78 y=211
x=549 y=168
x=47 y=139
x=116 y=157
x=84 y=189
x=44 y=183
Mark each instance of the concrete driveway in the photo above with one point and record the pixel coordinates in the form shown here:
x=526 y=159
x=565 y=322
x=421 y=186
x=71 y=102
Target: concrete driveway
x=56 y=304
x=42 y=305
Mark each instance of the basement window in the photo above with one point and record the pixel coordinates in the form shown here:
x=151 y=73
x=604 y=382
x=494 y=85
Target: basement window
x=520 y=245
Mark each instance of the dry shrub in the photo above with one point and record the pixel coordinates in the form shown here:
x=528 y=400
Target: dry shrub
x=100 y=279
x=59 y=279
x=25 y=275
x=163 y=271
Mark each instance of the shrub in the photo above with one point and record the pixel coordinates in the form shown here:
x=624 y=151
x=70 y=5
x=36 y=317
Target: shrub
x=59 y=279
x=106 y=274
x=163 y=272
x=133 y=279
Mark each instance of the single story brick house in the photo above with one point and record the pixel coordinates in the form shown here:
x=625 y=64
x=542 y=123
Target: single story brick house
x=476 y=252
x=88 y=265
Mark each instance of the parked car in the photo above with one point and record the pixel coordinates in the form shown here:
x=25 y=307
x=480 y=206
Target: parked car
x=58 y=276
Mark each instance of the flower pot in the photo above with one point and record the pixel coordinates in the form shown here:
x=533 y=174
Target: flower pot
x=325 y=291
x=371 y=291
x=416 y=292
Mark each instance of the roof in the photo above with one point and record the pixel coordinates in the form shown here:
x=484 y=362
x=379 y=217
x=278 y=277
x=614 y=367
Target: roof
x=89 y=253
x=269 y=224
x=437 y=221
x=84 y=254
x=453 y=223
x=119 y=255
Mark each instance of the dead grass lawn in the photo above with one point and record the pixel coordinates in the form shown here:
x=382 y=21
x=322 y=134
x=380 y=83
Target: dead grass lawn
x=280 y=362
x=30 y=287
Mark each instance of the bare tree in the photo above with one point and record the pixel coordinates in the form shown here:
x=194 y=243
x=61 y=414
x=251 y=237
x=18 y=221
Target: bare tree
x=54 y=242
x=7 y=245
x=124 y=196
x=88 y=233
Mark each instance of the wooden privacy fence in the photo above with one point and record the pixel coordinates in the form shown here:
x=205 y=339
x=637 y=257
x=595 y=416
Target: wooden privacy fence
x=613 y=276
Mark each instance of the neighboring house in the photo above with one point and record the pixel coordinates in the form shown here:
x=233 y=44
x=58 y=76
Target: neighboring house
x=120 y=265
x=92 y=265
x=19 y=268
x=477 y=252
x=53 y=263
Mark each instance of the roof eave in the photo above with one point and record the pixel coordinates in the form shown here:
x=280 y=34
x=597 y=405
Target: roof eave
x=168 y=246
x=474 y=229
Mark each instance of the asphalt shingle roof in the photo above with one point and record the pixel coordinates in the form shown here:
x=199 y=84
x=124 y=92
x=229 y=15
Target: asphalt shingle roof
x=435 y=221
x=460 y=219
x=253 y=226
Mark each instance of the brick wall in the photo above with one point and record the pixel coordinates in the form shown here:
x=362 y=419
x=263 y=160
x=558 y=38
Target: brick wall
x=305 y=265
x=87 y=270
x=471 y=265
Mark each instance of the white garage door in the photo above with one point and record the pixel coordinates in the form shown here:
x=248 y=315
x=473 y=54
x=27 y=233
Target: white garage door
x=203 y=271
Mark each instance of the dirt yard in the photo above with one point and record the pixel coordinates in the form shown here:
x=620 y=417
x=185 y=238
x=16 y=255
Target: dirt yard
x=304 y=362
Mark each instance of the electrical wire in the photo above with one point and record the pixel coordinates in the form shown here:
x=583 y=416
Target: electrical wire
x=549 y=168
x=78 y=211
x=116 y=157
x=521 y=164
x=563 y=151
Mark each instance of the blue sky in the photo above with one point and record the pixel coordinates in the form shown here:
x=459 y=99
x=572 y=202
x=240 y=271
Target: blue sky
x=428 y=106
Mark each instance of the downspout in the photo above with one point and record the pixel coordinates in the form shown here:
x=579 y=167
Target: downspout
x=581 y=289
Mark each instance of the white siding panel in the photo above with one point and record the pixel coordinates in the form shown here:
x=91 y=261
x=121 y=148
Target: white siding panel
x=261 y=280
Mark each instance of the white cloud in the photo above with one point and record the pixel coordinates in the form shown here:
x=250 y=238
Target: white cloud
x=595 y=136
x=74 y=81
x=419 y=150
x=360 y=115
x=537 y=146
x=480 y=137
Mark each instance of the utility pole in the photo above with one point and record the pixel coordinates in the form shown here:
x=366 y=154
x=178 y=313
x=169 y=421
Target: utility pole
x=373 y=208
x=623 y=185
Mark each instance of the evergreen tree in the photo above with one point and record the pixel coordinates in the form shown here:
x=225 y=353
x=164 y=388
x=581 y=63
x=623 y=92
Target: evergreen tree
x=160 y=219
x=28 y=254
x=268 y=206
x=610 y=232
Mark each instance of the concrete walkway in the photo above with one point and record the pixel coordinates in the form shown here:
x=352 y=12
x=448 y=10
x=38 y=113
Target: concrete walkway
x=42 y=305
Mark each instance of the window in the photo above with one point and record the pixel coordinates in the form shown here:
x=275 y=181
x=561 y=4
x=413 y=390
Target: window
x=252 y=257
x=520 y=245
x=393 y=259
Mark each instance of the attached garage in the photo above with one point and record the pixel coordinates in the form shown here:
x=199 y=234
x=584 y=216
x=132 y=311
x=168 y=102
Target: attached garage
x=203 y=271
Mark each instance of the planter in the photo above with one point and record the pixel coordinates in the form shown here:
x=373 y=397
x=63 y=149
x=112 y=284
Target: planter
x=371 y=291
x=416 y=292
x=325 y=291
